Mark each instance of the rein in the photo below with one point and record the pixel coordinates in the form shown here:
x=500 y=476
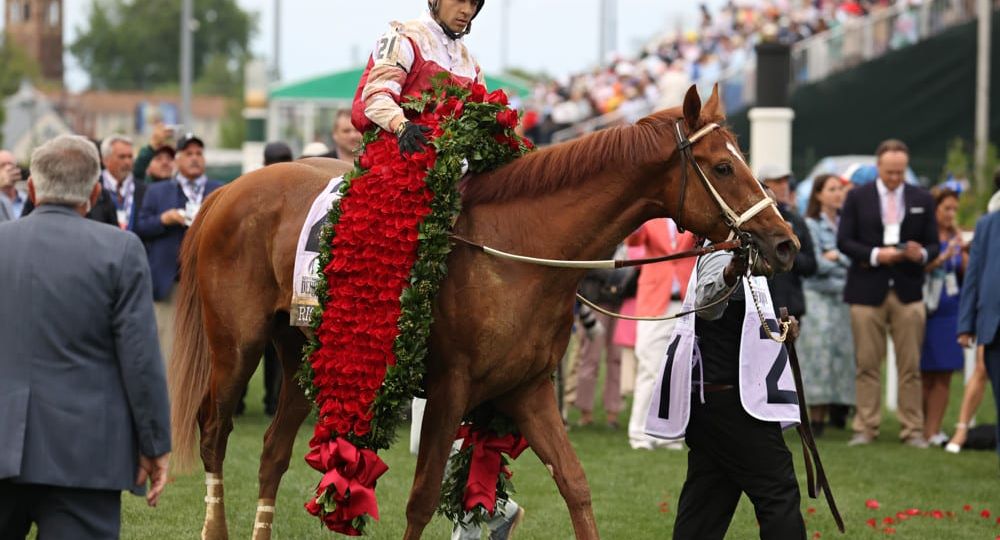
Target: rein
x=738 y=239
x=817 y=481
x=601 y=264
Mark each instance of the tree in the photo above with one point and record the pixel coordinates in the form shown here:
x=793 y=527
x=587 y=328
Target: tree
x=15 y=66
x=135 y=44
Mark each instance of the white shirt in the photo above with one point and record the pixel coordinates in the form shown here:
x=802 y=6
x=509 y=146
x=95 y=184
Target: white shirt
x=883 y=198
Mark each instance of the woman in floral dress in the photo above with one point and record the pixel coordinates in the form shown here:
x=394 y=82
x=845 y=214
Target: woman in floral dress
x=825 y=344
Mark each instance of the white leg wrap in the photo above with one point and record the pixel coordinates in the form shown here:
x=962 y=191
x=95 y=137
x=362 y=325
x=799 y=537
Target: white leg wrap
x=265 y=517
x=213 y=489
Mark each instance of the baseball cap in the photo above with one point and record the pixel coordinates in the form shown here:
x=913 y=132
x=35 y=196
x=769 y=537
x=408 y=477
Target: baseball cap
x=165 y=149
x=770 y=171
x=277 y=152
x=314 y=149
x=189 y=138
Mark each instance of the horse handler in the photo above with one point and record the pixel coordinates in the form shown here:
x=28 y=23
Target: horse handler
x=729 y=390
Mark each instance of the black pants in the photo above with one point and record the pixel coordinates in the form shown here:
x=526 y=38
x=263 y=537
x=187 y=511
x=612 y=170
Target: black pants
x=733 y=453
x=59 y=512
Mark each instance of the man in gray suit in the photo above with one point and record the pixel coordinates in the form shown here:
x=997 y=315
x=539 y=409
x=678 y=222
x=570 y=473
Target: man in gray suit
x=83 y=398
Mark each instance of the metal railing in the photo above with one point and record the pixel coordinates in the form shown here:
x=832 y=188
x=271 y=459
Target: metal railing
x=862 y=39
x=851 y=43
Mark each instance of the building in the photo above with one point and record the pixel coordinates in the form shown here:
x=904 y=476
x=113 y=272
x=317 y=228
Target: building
x=36 y=26
x=100 y=113
x=30 y=121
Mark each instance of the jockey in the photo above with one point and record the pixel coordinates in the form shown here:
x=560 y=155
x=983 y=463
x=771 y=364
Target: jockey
x=405 y=61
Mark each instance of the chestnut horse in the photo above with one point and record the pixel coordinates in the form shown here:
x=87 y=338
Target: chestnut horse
x=500 y=327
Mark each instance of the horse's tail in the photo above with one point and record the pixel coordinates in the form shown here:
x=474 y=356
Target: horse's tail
x=189 y=368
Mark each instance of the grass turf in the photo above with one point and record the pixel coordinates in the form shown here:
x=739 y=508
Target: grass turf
x=634 y=492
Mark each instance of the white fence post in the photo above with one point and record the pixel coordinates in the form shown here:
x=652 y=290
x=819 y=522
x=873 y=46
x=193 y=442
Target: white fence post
x=891 y=377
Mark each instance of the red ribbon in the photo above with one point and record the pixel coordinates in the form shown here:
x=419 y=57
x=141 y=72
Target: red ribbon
x=349 y=474
x=485 y=467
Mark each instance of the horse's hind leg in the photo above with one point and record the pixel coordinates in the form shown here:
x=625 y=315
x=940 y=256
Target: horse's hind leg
x=446 y=401
x=280 y=437
x=537 y=415
x=233 y=362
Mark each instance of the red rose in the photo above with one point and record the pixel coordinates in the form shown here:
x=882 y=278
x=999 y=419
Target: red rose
x=478 y=94
x=452 y=107
x=497 y=97
x=507 y=118
x=313 y=508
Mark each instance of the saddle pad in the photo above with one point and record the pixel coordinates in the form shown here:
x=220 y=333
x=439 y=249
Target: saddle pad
x=306 y=273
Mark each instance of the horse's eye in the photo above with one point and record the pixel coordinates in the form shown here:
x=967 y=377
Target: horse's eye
x=723 y=169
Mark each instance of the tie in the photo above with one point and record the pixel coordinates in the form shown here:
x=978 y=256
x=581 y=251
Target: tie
x=891 y=209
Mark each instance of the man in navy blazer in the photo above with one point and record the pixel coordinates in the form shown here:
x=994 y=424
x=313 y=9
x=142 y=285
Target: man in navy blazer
x=979 y=307
x=888 y=230
x=125 y=190
x=168 y=209
x=84 y=412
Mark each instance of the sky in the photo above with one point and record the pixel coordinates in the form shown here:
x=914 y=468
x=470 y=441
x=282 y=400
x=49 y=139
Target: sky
x=557 y=37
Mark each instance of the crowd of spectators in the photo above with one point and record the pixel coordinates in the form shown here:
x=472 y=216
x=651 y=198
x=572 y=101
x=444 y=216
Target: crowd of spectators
x=842 y=290
x=719 y=49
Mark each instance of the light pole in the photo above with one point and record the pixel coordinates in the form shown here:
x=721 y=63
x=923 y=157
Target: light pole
x=608 y=26
x=505 y=35
x=276 y=68
x=187 y=20
x=983 y=94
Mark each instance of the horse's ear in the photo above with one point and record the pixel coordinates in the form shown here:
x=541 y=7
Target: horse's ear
x=692 y=107
x=713 y=107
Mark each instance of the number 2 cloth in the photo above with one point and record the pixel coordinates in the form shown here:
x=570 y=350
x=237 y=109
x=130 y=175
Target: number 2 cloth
x=767 y=390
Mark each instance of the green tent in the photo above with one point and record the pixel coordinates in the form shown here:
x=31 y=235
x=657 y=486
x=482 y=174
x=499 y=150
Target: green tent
x=341 y=86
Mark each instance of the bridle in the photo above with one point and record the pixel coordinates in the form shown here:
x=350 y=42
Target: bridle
x=732 y=220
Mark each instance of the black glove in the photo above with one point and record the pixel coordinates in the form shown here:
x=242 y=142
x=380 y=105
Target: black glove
x=411 y=137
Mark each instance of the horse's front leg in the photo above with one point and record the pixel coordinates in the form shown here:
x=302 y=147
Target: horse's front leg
x=537 y=416
x=447 y=397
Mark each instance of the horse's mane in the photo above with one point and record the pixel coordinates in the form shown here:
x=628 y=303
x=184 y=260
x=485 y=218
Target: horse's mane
x=564 y=165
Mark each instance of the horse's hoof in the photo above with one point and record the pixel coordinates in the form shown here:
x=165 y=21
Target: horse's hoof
x=215 y=524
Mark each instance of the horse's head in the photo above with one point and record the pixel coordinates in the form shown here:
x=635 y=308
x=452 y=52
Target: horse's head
x=712 y=191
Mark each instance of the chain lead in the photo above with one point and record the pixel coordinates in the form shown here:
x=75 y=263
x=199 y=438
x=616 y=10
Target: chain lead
x=779 y=338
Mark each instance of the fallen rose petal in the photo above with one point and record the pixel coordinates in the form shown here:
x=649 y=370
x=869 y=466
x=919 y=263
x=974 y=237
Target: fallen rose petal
x=817 y=534
x=889 y=530
x=985 y=513
x=810 y=510
x=888 y=520
x=913 y=512
x=967 y=508
x=873 y=504
x=937 y=514
x=872 y=522
x=902 y=516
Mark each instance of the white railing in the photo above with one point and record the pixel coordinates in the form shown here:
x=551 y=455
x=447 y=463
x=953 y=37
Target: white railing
x=611 y=119
x=862 y=39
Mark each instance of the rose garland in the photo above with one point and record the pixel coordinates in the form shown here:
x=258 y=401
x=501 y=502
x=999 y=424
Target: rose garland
x=383 y=257
x=477 y=479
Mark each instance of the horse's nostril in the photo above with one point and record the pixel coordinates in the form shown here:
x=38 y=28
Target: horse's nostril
x=785 y=251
